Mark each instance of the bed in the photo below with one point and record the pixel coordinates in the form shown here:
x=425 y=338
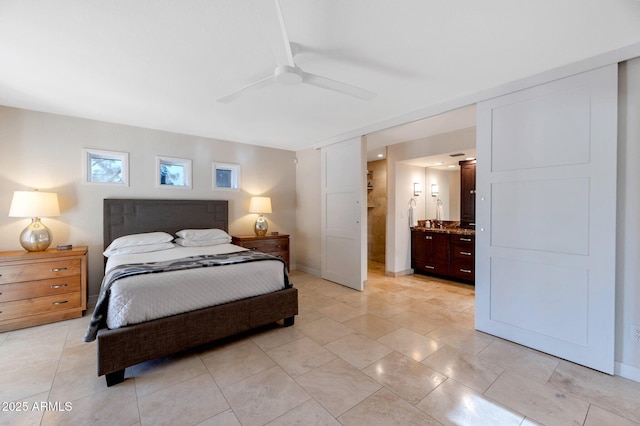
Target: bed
x=125 y=346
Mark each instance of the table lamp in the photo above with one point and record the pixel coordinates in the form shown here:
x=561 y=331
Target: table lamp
x=35 y=204
x=260 y=205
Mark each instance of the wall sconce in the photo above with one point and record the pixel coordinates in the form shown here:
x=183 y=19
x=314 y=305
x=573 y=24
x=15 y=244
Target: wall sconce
x=417 y=189
x=434 y=190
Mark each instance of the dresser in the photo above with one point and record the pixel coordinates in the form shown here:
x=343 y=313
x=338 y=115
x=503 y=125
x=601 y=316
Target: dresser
x=277 y=245
x=42 y=287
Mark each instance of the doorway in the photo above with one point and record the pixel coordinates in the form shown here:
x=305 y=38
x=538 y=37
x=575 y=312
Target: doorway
x=411 y=153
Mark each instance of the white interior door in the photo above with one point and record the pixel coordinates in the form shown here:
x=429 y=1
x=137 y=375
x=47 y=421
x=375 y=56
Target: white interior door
x=546 y=214
x=344 y=213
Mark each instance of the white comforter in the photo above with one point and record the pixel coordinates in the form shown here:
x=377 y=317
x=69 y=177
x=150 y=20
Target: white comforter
x=145 y=297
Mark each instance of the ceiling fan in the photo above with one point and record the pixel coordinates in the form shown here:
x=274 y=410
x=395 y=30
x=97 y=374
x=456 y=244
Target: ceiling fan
x=287 y=72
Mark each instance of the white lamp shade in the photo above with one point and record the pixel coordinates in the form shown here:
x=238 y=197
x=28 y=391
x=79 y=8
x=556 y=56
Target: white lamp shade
x=34 y=204
x=260 y=205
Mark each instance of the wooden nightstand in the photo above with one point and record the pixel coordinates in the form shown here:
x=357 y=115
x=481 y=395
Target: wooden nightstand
x=42 y=287
x=277 y=245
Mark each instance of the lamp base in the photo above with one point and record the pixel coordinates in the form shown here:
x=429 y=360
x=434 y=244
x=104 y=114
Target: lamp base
x=261 y=226
x=36 y=236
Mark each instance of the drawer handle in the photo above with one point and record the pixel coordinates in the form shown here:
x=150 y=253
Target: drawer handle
x=59 y=286
x=428 y=237
x=465 y=239
x=59 y=269
x=279 y=246
x=466 y=253
x=429 y=267
x=466 y=271
x=60 y=303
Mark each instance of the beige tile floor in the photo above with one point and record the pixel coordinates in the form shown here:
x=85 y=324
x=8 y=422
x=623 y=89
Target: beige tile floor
x=404 y=352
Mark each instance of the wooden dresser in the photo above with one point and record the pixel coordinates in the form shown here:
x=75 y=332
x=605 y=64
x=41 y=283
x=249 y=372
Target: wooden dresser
x=42 y=287
x=277 y=245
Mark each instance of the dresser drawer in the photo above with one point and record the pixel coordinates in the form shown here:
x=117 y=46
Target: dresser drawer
x=25 y=290
x=267 y=246
x=39 y=270
x=39 y=305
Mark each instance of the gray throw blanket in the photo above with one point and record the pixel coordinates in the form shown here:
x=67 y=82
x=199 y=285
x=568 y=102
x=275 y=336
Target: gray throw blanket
x=99 y=317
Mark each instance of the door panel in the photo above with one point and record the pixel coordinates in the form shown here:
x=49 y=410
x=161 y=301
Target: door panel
x=545 y=234
x=344 y=213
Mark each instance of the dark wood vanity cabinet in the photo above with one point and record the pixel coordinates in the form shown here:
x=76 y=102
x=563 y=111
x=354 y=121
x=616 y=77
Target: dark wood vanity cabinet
x=462 y=257
x=430 y=252
x=468 y=194
x=448 y=255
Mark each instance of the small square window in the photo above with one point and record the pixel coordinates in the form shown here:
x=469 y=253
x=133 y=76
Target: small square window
x=226 y=177
x=106 y=167
x=173 y=172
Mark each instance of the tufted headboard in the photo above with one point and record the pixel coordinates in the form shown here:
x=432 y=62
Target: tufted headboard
x=134 y=216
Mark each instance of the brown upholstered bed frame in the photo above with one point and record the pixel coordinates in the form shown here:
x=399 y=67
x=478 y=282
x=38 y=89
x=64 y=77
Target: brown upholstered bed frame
x=123 y=347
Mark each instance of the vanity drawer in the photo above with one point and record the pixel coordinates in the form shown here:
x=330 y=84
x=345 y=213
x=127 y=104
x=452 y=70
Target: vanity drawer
x=462 y=253
x=432 y=267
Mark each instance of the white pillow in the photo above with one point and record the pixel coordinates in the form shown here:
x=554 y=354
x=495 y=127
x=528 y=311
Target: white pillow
x=140 y=239
x=142 y=248
x=204 y=234
x=204 y=243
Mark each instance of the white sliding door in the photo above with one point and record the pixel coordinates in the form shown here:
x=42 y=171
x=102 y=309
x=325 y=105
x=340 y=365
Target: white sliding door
x=546 y=215
x=344 y=213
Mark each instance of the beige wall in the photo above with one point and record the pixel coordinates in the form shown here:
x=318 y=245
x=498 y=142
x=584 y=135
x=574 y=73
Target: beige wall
x=376 y=210
x=44 y=151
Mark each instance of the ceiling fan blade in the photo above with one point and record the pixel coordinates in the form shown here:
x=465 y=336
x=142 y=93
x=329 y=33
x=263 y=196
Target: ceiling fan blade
x=337 y=86
x=255 y=85
x=273 y=24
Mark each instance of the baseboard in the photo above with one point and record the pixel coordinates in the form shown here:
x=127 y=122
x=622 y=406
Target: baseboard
x=307 y=270
x=627 y=371
x=399 y=273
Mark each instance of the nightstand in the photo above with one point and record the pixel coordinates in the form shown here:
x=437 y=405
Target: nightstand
x=277 y=245
x=42 y=287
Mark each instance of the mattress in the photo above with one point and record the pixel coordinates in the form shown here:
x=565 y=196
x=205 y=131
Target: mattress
x=140 y=298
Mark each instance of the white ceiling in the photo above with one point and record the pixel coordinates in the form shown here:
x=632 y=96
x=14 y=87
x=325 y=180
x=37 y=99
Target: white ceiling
x=163 y=64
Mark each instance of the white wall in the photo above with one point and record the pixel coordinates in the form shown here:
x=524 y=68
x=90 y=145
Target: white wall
x=308 y=234
x=44 y=151
x=628 y=221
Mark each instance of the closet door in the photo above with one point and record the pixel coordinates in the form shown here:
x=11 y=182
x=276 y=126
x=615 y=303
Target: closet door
x=546 y=217
x=344 y=226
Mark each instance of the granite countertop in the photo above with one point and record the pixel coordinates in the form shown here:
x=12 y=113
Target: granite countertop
x=460 y=231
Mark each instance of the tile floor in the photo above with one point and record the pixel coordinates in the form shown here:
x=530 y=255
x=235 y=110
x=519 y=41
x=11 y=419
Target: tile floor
x=403 y=352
